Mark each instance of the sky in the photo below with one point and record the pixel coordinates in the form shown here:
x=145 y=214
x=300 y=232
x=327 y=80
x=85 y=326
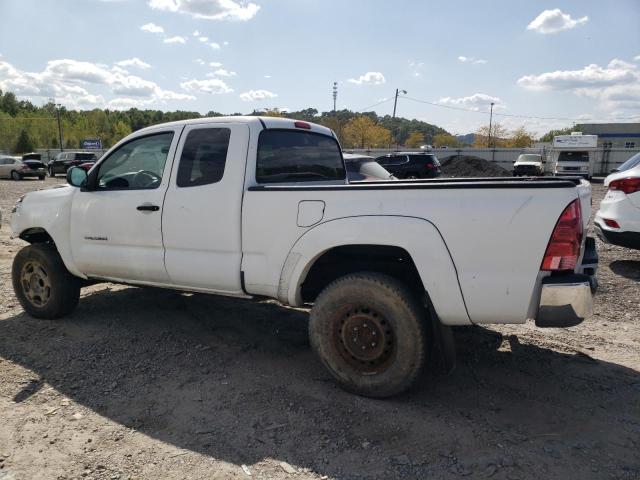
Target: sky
x=543 y=64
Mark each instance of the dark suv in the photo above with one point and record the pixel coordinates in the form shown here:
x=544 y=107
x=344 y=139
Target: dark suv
x=66 y=160
x=411 y=164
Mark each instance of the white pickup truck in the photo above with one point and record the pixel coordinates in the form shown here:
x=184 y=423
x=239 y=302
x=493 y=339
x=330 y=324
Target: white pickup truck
x=249 y=206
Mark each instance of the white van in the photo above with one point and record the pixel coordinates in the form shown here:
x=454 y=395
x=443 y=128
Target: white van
x=574 y=155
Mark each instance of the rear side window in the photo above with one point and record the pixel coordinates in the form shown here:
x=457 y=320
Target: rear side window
x=293 y=156
x=85 y=156
x=203 y=157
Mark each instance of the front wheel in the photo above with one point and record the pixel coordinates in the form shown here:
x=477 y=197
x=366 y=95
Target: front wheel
x=16 y=176
x=369 y=331
x=42 y=283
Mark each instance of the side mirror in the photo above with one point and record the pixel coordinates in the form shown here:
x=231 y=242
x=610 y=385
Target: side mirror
x=77 y=177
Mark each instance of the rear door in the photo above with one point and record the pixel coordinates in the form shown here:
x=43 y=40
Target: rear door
x=201 y=219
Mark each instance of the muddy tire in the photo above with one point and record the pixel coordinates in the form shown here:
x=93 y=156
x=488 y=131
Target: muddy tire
x=369 y=330
x=42 y=283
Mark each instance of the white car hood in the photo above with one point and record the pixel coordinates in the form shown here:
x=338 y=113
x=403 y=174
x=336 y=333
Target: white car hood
x=533 y=164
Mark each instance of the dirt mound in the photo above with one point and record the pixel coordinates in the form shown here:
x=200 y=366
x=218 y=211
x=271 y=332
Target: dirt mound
x=469 y=166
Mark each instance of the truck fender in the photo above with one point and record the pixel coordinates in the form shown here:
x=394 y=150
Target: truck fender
x=419 y=237
x=51 y=216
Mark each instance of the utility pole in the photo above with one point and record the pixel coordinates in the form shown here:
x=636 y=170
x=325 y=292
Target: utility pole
x=57 y=105
x=335 y=96
x=490 y=120
x=395 y=104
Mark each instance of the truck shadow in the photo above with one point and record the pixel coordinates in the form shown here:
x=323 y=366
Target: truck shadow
x=627 y=268
x=236 y=380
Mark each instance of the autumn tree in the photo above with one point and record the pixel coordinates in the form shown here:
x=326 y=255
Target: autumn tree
x=520 y=138
x=445 y=140
x=362 y=132
x=414 y=140
x=496 y=139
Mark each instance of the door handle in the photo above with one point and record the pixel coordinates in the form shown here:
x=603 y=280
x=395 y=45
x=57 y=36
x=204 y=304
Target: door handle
x=148 y=208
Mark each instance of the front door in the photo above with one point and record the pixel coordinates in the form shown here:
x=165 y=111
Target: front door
x=201 y=219
x=116 y=222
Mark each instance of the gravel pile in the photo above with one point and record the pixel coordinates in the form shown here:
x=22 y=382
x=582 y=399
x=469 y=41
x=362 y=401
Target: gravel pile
x=468 y=166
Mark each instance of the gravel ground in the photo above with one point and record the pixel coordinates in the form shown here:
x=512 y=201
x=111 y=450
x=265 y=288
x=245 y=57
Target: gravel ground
x=148 y=384
x=469 y=166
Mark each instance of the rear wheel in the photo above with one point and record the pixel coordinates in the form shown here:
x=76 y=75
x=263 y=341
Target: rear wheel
x=369 y=331
x=42 y=283
x=15 y=176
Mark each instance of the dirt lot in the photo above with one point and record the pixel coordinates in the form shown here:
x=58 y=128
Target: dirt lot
x=148 y=384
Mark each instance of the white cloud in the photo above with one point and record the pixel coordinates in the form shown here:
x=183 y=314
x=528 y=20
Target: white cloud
x=224 y=73
x=616 y=86
x=476 y=101
x=593 y=75
x=209 y=9
x=267 y=76
x=69 y=80
x=553 y=21
x=213 y=86
x=176 y=39
x=636 y=58
x=214 y=45
x=215 y=64
x=473 y=60
x=200 y=61
x=133 y=62
x=416 y=68
x=369 y=78
x=203 y=39
x=196 y=33
x=152 y=28
x=257 y=95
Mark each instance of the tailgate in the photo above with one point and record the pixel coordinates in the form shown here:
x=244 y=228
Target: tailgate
x=584 y=192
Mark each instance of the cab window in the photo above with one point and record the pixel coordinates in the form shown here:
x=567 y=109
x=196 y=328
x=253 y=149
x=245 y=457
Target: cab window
x=136 y=165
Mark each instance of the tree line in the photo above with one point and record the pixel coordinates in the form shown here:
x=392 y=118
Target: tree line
x=25 y=127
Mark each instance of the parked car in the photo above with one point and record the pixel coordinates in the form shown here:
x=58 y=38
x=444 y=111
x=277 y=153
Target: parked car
x=629 y=164
x=261 y=206
x=411 y=164
x=17 y=169
x=618 y=219
x=529 y=165
x=364 y=168
x=66 y=160
x=426 y=147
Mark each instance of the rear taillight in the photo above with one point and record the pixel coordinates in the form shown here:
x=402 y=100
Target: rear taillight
x=305 y=125
x=431 y=166
x=563 y=249
x=24 y=166
x=627 y=185
x=611 y=223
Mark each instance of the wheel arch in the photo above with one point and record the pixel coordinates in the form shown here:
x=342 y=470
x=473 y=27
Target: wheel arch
x=375 y=239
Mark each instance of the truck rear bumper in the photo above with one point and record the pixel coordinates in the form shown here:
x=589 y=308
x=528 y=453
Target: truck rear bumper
x=565 y=301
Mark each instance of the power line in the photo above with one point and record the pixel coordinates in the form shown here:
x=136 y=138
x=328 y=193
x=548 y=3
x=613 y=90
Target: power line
x=27 y=118
x=374 y=105
x=486 y=112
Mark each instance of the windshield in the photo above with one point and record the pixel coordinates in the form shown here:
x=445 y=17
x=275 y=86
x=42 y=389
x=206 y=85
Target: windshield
x=366 y=169
x=529 y=157
x=573 y=157
x=629 y=164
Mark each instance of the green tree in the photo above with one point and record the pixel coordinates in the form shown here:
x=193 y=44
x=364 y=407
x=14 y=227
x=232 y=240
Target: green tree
x=362 y=132
x=24 y=143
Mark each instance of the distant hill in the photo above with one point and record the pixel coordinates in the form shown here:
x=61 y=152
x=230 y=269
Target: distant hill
x=467 y=139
